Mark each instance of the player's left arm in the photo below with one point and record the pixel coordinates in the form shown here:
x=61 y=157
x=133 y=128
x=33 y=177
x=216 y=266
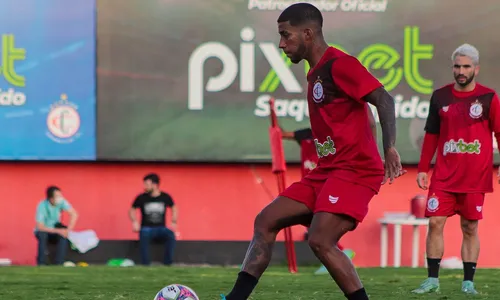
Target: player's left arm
x=371 y=120
x=355 y=80
x=495 y=122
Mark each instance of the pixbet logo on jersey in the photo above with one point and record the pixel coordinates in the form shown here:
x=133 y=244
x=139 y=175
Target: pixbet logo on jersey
x=461 y=147
x=381 y=59
x=326 y=148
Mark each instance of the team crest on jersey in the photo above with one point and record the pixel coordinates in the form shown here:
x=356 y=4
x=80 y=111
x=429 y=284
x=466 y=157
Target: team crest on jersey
x=317 y=92
x=433 y=203
x=476 y=110
x=445 y=108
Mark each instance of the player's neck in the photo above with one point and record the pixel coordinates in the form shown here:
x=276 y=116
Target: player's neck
x=317 y=53
x=155 y=193
x=464 y=89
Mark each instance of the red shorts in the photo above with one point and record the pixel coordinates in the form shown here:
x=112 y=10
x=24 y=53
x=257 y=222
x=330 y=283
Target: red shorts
x=332 y=195
x=446 y=204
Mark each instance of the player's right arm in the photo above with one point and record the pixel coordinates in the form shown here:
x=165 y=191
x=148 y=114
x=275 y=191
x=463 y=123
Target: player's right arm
x=298 y=135
x=287 y=135
x=429 y=146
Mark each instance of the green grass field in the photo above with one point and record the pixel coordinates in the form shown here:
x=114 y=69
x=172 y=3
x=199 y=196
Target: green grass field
x=140 y=283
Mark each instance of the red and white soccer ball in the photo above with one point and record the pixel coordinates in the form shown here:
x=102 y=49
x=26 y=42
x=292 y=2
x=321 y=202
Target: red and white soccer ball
x=176 y=292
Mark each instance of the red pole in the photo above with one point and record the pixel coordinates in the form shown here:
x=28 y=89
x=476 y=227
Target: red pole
x=279 y=169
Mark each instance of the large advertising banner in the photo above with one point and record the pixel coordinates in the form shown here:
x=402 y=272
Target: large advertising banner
x=191 y=80
x=47 y=80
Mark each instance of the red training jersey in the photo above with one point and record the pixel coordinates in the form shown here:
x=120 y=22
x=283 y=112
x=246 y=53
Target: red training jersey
x=339 y=121
x=464 y=123
x=308 y=155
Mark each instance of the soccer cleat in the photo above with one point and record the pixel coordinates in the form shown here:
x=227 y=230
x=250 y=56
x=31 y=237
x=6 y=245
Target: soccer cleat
x=321 y=271
x=222 y=297
x=468 y=288
x=428 y=286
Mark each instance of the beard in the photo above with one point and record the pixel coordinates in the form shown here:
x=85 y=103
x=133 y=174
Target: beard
x=465 y=83
x=301 y=51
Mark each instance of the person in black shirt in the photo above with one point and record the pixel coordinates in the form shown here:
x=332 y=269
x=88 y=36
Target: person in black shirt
x=153 y=205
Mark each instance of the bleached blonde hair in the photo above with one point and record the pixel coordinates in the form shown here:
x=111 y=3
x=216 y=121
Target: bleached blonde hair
x=466 y=50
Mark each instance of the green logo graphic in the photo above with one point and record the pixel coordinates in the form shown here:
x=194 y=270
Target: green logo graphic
x=9 y=55
x=382 y=57
x=326 y=148
x=461 y=147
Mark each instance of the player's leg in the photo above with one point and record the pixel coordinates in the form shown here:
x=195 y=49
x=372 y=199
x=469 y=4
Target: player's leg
x=326 y=230
x=349 y=252
x=281 y=213
x=470 y=208
x=340 y=206
x=440 y=205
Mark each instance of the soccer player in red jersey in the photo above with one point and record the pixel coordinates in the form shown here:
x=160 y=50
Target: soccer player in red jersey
x=304 y=137
x=333 y=198
x=309 y=160
x=462 y=119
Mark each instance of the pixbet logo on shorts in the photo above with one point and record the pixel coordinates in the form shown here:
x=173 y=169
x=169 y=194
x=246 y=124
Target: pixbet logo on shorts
x=461 y=147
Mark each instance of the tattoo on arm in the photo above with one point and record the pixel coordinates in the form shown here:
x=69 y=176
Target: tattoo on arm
x=386 y=113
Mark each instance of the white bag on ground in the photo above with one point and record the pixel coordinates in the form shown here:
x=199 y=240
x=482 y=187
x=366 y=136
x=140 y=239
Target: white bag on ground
x=83 y=241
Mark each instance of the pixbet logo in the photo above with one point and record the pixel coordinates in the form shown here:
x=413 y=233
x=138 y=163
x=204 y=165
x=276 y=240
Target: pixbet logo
x=11 y=54
x=461 y=147
x=390 y=66
x=230 y=68
x=326 y=148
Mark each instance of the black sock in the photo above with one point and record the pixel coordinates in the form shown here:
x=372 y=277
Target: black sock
x=243 y=287
x=469 y=270
x=358 y=295
x=433 y=267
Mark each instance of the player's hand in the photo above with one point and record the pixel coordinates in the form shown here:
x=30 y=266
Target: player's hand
x=393 y=168
x=422 y=180
x=136 y=227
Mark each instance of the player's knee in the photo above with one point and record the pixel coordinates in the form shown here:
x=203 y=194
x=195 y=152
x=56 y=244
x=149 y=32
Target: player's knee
x=263 y=223
x=436 y=225
x=469 y=227
x=319 y=244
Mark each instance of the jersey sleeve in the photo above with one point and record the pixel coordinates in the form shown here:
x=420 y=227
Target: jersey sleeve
x=65 y=205
x=428 y=150
x=40 y=213
x=137 y=202
x=495 y=114
x=169 y=201
x=353 y=78
x=433 y=122
x=302 y=134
